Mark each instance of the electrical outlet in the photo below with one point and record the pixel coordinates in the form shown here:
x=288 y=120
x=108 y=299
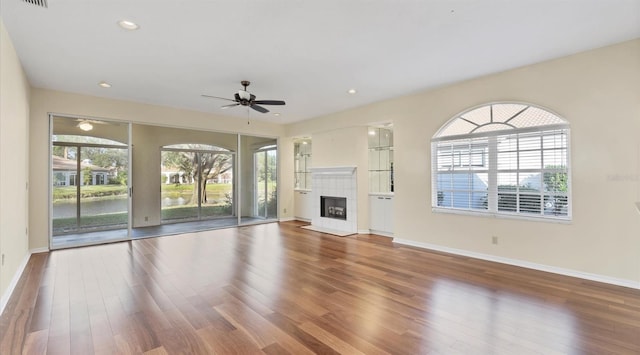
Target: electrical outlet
x=285 y=210
x=494 y=239
x=146 y=218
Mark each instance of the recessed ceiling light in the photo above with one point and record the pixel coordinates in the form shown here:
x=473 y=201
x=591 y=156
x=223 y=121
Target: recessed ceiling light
x=128 y=25
x=352 y=91
x=276 y=114
x=104 y=84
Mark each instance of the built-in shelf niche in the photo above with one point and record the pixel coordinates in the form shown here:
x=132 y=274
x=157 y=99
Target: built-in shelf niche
x=302 y=164
x=381 y=159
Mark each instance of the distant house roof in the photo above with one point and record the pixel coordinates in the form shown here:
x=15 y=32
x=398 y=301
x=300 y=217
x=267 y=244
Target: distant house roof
x=62 y=164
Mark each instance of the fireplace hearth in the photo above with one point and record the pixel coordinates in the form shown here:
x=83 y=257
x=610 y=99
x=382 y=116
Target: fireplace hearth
x=333 y=207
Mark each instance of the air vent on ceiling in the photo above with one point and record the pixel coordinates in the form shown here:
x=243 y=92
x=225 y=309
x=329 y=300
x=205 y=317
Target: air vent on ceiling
x=41 y=3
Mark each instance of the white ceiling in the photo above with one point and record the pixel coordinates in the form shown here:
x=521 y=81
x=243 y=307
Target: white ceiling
x=308 y=53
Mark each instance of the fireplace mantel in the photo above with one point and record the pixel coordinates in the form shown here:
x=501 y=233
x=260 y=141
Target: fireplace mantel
x=334 y=170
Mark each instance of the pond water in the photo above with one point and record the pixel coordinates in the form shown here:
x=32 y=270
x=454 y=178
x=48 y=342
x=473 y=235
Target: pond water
x=67 y=209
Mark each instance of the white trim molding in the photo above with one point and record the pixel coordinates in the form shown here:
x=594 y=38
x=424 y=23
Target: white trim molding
x=16 y=277
x=286 y=219
x=14 y=282
x=524 y=264
x=333 y=170
x=384 y=234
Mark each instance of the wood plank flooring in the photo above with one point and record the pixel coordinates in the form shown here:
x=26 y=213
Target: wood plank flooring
x=280 y=289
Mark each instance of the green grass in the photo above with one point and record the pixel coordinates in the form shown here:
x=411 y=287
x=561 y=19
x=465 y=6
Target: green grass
x=182 y=212
x=111 y=219
x=88 y=191
x=214 y=191
x=107 y=219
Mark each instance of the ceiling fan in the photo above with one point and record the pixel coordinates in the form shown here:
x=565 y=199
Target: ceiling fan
x=245 y=98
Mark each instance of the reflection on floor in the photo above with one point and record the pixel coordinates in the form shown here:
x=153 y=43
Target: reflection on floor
x=100 y=237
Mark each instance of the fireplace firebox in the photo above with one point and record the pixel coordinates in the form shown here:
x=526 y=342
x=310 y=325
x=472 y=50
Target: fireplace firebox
x=333 y=207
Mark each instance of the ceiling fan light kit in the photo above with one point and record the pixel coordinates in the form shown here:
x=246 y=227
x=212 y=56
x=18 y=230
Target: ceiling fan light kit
x=245 y=98
x=85 y=126
x=244 y=95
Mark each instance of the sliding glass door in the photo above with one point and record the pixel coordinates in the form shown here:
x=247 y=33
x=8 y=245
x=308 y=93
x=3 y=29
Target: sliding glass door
x=258 y=179
x=265 y=174
x=89 y=191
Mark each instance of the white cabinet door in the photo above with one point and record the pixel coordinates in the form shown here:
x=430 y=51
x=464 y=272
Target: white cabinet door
x=303 y=206
x=388 y=213
x=376 y=213
x=381 y=213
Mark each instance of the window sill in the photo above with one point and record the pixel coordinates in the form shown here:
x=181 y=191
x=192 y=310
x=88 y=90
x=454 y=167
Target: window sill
x=502 y=216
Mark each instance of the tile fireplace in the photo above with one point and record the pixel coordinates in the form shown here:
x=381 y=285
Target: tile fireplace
x=335 y=200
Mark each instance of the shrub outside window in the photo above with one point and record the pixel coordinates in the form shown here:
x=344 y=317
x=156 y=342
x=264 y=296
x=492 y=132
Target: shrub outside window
x=508 y=159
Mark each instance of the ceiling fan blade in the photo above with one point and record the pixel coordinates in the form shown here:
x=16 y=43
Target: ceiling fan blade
x=216 y=97
x=229 y=105
x=269 y=102
x=259 y=108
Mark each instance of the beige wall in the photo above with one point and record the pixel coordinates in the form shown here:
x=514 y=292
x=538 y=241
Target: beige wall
x=286 y=179
x=44 y=102
x=346 y=147
x=14 y=150
x=147 y=143
x=598 y=92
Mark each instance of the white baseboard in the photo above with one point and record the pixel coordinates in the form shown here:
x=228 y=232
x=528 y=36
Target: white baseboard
x=302 y=219
x=525 y=264
x=16 y=277
x=14 y=282
x=286 y=219
x=364 y=231
x=384 y=234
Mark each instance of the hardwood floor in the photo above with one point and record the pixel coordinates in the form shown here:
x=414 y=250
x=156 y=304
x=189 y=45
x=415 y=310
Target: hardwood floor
x=280 y=289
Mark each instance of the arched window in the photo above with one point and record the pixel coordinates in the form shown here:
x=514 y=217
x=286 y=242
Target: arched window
x=503 y=159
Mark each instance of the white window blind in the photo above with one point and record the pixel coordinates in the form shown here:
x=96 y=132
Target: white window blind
x=520 y=170
x=462 y=173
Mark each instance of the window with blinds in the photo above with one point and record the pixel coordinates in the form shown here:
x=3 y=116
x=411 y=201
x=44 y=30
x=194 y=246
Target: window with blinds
x=503 y=159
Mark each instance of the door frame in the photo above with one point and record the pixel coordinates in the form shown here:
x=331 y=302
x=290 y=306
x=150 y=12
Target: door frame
x=126 y=145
